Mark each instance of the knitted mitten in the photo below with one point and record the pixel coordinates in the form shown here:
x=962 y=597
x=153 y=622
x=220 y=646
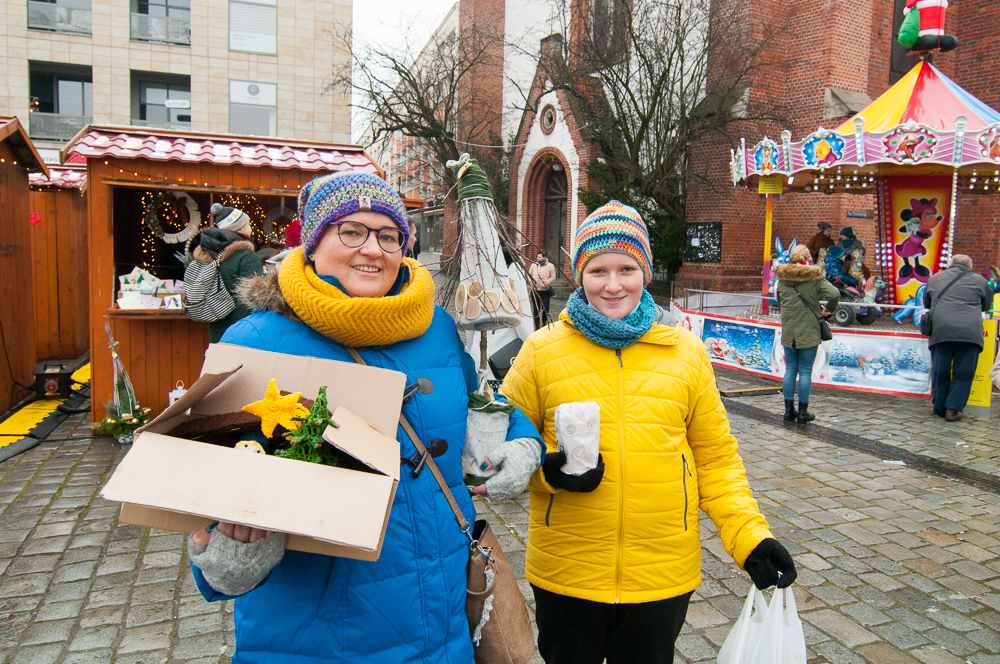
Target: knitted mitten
x=234 y=568
x=516 y=460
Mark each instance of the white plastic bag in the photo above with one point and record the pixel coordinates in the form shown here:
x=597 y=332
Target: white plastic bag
x=578 y=434
x=768 y=635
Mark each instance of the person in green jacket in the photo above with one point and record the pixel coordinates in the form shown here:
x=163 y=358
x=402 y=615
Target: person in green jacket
x=230 y=243
x=800 y=325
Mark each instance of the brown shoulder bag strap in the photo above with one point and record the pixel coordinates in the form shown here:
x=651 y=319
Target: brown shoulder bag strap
x=408 y=428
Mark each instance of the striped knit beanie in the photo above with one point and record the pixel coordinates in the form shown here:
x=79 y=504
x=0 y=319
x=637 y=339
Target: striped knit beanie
x=612 y=228
x=326 y=199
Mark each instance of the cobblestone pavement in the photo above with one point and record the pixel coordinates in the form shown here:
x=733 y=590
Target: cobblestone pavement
x=895 y=565
x=905 y=422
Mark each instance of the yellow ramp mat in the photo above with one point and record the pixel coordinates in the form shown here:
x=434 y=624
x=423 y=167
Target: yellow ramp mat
x=18 y=425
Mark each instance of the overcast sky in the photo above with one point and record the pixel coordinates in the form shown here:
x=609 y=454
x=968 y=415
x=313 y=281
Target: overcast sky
x=398 y=22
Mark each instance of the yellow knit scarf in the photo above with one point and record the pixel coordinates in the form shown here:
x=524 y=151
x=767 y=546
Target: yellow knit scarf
x=358 y=321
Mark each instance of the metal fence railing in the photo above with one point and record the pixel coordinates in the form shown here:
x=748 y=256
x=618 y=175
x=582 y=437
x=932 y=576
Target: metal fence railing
x=58 y=18
x=165 y=29
x=55 y=126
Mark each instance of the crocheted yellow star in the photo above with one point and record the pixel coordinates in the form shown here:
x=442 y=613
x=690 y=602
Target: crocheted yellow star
x=275 y=409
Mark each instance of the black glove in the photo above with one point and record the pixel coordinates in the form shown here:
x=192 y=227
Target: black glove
x=581 y=483
x=766 y=562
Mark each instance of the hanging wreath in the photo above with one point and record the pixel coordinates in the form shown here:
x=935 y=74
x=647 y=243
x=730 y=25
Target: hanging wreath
x=151 y=216
x=269 y=222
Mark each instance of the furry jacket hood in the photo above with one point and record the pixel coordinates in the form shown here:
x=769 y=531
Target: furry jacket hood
x=214 y=243
x=798 y=273
x=262 y=293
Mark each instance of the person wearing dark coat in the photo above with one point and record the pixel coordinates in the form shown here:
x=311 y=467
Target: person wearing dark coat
x=849 y=243
x=237 y=260
x=822 y=240
x=800 y=334
x=957 y=337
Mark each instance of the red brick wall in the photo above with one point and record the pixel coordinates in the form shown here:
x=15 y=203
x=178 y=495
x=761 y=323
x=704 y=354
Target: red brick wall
x=847 y=45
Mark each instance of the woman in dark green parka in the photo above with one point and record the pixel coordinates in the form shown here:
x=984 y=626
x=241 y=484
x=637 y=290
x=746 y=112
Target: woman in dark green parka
x=237 y=258
x=800 y=325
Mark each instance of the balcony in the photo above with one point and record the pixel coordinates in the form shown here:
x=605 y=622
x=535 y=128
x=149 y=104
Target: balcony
x=58 y=18
x=165 y=29
x=56 y=127
x=179 y=126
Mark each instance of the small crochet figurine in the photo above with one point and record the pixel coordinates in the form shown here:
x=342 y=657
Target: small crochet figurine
x=306 y=442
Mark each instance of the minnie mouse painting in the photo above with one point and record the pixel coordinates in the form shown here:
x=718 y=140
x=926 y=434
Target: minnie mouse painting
x=919 y=220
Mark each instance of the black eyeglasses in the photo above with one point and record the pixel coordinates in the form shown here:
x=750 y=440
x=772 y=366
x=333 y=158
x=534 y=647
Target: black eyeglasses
x=354 y=234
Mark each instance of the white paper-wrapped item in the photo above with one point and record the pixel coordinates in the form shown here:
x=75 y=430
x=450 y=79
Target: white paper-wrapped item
x=484 y=432
x=578 y=434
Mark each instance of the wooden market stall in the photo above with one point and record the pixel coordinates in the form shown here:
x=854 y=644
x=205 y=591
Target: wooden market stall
x=59 y=262
x=18 y=157
x=150 y=189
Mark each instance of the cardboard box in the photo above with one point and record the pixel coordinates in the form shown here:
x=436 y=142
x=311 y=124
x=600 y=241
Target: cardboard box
x=183 y=485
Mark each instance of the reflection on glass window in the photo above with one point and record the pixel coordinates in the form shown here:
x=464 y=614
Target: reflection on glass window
x=153 y=106
x=173 y=8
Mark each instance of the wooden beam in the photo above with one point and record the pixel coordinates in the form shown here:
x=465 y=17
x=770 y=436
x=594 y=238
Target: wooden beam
x=190 y=186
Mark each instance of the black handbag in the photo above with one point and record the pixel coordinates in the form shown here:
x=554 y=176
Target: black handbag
x=502 y=360
x=927 y=320
x=825 y=333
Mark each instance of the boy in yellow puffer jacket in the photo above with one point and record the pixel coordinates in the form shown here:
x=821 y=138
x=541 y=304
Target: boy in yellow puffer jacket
x=614 y=554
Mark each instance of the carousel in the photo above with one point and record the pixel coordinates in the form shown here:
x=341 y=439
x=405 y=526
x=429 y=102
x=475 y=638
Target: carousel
x=917 y=148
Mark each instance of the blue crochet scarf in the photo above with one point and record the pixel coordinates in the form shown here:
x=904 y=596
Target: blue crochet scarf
x=611 y=332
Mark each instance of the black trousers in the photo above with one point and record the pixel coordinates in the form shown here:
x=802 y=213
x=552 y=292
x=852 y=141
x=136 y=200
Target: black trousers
x=578 y=631
x=540 y=307
x=953 y=366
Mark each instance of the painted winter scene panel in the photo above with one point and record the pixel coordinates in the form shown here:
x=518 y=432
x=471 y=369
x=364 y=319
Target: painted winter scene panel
x=739 y=345
x=880 y=363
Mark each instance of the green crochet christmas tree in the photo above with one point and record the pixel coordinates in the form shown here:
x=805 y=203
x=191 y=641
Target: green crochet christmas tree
x=306 y=443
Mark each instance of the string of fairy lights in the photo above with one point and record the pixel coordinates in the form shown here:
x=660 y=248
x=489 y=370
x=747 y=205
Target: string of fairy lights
x=830 y=182
x=161 y=214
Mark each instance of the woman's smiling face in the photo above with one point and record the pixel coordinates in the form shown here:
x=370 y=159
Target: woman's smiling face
x=364 y=271
x=612 y=283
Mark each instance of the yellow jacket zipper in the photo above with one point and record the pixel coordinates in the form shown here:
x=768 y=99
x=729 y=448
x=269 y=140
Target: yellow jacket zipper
x=621 y=453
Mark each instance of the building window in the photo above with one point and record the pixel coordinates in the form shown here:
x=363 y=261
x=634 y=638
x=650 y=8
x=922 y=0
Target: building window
x=167 y=21
x=253 y=108
x=161 y=100
x=253 y=26
x=61 y=89
x=71 y=16
x=173 y=8
x=704 y=243
x=62 y=99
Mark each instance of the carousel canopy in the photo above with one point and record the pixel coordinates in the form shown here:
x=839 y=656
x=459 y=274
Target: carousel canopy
x=925 y=124
x=924 y=96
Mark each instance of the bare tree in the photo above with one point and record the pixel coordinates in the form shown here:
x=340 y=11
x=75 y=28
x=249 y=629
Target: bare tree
x=436 y=96
x=653 y=78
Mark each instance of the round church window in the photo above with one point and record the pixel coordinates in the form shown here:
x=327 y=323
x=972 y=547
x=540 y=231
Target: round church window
x=547 y=119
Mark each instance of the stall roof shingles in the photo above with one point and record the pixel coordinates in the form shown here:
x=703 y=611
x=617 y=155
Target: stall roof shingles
x=178 y=146
x=66 y=178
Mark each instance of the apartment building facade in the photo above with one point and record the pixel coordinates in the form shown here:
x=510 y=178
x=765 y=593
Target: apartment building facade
x=259 y=67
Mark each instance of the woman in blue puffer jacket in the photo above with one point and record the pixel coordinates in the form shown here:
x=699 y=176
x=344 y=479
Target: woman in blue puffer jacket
x=350 y=286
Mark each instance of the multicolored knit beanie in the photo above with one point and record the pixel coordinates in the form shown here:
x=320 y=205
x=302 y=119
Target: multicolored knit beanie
x=325 y=200
x=612 y=228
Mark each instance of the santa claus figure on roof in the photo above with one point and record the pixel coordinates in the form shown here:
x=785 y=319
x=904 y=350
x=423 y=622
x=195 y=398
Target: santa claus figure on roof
x=931 y=34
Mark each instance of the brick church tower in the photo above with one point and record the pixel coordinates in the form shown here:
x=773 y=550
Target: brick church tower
x=832 y=63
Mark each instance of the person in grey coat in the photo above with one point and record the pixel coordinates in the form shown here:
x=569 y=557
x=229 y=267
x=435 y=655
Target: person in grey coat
x=957 y=337
x=800 y=333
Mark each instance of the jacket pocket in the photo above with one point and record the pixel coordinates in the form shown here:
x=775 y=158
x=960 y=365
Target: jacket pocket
x=685 y=474
x=548 y=511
